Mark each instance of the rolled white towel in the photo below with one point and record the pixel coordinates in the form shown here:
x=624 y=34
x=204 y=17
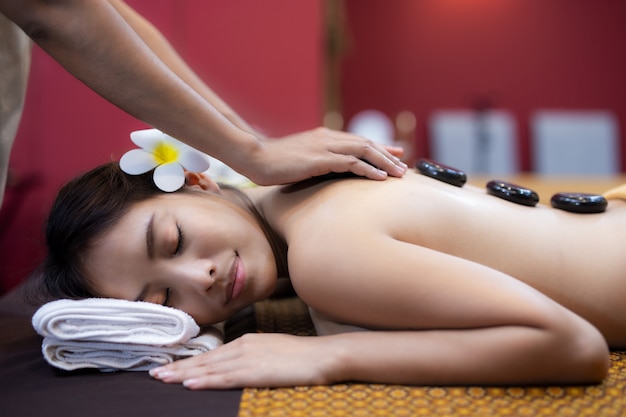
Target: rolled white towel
x=70 y=355
x=114 y=321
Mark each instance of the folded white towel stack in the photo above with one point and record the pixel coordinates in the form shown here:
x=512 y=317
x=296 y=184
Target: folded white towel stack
x=112 y=334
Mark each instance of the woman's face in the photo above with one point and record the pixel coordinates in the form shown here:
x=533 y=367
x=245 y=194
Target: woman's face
x=199 y=253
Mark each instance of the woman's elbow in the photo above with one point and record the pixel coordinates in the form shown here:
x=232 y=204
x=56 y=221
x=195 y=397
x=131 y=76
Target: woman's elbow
x=594 y=358
x=583 y=354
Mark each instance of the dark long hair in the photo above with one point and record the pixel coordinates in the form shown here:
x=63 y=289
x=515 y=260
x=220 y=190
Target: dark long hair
x=92 y=204
x=84 y=209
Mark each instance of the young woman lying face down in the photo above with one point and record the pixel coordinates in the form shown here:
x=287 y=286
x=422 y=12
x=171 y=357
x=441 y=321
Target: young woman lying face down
x=459 y=287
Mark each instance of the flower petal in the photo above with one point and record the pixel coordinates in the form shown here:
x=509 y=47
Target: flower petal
x=147 y=139
x=137 y=161
x=169 y=177
x=193 y=160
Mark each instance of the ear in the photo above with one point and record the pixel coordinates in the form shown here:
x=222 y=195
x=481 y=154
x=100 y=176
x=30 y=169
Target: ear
x=199 y=179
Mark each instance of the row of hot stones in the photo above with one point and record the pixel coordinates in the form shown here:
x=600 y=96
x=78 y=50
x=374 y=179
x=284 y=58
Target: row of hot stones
x=572 y=202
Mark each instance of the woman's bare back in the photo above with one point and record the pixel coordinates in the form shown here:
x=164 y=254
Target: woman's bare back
x=575 y=259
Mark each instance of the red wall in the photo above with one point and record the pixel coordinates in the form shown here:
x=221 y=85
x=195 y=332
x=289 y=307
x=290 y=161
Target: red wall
x=263 y=57
x=423 y=55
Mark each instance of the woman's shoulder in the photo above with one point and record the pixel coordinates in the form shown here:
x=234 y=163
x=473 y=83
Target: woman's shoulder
x=333 y=204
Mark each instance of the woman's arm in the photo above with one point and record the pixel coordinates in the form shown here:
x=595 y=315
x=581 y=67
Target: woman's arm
x=472 y=325
x=502 y=355
x=97 y=45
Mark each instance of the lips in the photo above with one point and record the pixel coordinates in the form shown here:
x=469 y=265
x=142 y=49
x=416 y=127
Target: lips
x=238 y=279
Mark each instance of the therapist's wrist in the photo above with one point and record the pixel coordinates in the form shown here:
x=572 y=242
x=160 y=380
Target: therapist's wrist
x=247 y=156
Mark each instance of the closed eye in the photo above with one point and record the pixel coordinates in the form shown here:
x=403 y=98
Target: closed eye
x=180 y=242
x=166 y=299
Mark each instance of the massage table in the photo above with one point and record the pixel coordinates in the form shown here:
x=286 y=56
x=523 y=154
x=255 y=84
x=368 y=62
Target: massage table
x=30 y=387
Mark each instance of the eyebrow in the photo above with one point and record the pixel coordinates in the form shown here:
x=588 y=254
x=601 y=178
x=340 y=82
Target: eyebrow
x=150 y=237
x=150 y=248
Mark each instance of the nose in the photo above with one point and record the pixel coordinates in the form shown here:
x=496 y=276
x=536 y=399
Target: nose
x=199 y=274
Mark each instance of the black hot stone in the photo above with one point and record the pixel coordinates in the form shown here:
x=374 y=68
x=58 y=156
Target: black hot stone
x=579 y=202
x=513 y=193
x=441 y=172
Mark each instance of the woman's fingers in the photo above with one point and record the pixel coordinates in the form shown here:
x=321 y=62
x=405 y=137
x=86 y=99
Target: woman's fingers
x=208 y=362
x=253 y=360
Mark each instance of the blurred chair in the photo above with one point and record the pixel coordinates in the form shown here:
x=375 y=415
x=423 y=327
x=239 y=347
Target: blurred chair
x=575 y=143
x=406 y=126
x=476 y=142
x=373 y=125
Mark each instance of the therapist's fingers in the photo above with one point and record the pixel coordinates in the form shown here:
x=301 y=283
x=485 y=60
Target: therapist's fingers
x=318 y=152
x=396 y=151
x=385 y=158
x=366 y=158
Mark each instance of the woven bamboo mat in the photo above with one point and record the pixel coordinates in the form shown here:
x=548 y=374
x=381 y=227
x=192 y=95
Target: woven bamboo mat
x=290 y=316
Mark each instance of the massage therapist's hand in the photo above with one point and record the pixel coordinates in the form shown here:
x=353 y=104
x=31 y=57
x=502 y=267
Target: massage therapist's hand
x=317 y=152
x=254 y=360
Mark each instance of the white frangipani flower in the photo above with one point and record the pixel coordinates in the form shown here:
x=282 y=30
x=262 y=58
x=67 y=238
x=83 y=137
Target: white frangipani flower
x=169 y=156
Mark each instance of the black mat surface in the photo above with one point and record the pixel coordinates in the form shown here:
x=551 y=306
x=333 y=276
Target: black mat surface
x=30 y=387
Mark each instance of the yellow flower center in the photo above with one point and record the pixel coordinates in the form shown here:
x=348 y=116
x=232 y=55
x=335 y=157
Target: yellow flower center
x=165 y=152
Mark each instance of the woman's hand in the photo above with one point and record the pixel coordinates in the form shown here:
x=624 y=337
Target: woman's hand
x=318 y=152
x=253 y=360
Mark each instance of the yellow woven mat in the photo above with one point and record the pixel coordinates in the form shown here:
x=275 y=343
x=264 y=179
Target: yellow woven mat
x=291 y=316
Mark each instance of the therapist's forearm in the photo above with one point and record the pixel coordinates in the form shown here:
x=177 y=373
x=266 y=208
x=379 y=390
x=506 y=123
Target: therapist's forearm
x=163 y=49
x=96 y=44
